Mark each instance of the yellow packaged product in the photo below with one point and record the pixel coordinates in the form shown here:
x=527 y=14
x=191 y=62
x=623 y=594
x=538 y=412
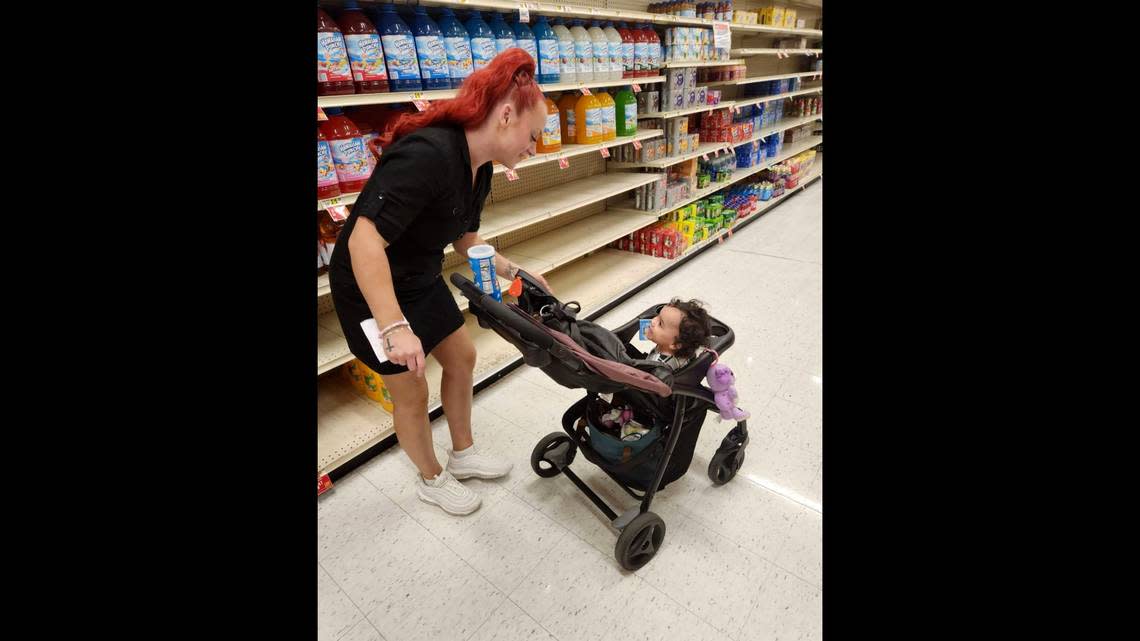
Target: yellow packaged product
x=789 y=18
x=354 y=374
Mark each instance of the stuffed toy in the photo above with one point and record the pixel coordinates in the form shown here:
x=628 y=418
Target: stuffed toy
x=722 y=382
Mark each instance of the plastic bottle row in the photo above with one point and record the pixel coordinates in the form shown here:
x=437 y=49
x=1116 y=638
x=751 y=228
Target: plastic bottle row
x=707 y=10
x=354 y=56
x=347 y=151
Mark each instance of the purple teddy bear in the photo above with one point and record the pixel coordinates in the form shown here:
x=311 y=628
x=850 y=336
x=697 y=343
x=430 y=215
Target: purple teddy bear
x=722 y=382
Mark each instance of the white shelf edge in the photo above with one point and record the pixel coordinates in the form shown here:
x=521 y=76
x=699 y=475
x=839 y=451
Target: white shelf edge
x=567 y=10
x=714 y=145
x=343 y=199
x=686 y=112
x=578 y=150
x=746 y=81
x=683 y=64
x=769 y=52
x=766 y=28
x=748 y=102
x=737 y=176
x=361 y=99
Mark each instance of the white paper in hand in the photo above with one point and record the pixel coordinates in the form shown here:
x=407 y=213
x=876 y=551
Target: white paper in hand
x=372 y=331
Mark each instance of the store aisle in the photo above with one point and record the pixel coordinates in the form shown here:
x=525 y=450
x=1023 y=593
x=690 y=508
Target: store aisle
x=742 y=561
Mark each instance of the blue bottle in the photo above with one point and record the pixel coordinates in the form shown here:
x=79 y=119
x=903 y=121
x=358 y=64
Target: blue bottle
x=399 y=50
x=549 y=64
x=431 y=52
x=524 y=39
x=504 y=37
x=458 y=47
x=482 y=41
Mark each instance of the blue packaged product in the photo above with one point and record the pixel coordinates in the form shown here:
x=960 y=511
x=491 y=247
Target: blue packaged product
x=431 y=52
x=549 y=57
x=481 y=258
x=399 y=50
x=483 y=49
x=457 y=44
x=524 y=39
x=504 y=36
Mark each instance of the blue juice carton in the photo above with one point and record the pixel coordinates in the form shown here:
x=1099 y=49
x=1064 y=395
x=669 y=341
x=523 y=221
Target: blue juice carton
x=482 y=261
x=644 y=325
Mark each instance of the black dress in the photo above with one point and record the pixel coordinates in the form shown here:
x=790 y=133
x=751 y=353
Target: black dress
x=421 y=200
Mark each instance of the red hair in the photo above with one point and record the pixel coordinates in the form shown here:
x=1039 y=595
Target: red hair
x=510 y=74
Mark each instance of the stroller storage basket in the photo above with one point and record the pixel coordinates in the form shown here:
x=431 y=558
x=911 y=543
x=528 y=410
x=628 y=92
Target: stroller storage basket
x=609 y=446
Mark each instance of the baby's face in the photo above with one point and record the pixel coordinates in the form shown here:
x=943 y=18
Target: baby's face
x=665 y=328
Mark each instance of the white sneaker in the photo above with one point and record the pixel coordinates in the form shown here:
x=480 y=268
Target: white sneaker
x=476 y=465
x=448 y=493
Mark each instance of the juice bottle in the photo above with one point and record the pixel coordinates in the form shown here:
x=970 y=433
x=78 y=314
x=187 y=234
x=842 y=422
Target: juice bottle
x=626 y=104
x=567 y=65
x=524 y=39
x=566 y=106
x=551 y=139
x=334 y=77
x=583 y=51
x=588 y=119
x=640 y=52
x=627 y=50
x=326 y=170
x=353 y=162
x=549 y=63
x=431 y=51
x=654 y=50
x=617 y=68
x=482 y=41
x=365 y=51
x=400 y=49
x=458 y=47
x=609 y=115
x=327 y=232
x=601 y=46
x=504 y=37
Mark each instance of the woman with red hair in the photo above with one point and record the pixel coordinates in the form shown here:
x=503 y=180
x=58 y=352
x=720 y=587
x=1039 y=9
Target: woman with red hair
x=427 y=192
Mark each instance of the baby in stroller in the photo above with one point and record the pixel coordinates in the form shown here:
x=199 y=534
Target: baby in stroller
x=661 y=390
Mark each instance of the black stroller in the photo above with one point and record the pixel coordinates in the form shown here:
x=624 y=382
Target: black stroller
x=674 y=404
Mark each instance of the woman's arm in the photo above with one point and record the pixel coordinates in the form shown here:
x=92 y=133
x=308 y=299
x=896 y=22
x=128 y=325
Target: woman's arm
x=374 y=278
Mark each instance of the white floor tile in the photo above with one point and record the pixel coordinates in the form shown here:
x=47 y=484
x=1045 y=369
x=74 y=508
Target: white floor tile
x=352 y=508
x=756 y=518
x=510 y=623
x=336 y=614
x=787 y=608
x=362 y=631
x=794 y=424
x=803 y=555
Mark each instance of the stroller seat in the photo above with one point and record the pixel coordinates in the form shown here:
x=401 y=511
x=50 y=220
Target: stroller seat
x=580 y=354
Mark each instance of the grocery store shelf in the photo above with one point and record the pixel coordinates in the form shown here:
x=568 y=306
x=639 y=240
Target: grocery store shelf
x=747 y=102
x=772 y=52
x=537 y=206
x=347 y=423
x=745 y=81
x=323 y=285
x=548 y=9
x=332 y=350
x=565 y=244
x=705 y=63
x=343 y=199
x=712 y=147
x=530 y=265
x=783 y=31
x=686 y=112
x=603 y=276
x=357 y=100
x=738 y=175
x=571 y=150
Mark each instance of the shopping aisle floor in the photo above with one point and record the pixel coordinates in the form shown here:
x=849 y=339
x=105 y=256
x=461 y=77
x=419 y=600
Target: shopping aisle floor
x=536 y=561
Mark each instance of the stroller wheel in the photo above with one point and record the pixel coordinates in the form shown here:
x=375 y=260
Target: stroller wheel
x=549 y=445
x=724 y=465
x=640 y=541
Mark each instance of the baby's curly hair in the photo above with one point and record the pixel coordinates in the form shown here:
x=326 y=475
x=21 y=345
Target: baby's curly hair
x=695 y=327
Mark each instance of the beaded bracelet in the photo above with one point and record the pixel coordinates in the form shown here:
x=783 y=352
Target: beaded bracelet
x=398 y=324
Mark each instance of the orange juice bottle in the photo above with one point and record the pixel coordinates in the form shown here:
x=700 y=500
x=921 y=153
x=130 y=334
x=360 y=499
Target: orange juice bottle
x=588 y=120
x=609 y=115
x=566 y=106
x=551 y=139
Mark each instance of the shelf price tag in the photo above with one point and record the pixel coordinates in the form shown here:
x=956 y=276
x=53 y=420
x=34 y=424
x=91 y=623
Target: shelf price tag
x=730 y=232
x=512 y=175
x=338 y=213
x=524 y=13
x=605 y=152
x=722 y=37
x=324 y=484
x=321 y=117
x=720 y=239
x=586 y=91
x=564 y=163
x=705 y=156
x=421 y=105
x=636 y=88
x=637 y=144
